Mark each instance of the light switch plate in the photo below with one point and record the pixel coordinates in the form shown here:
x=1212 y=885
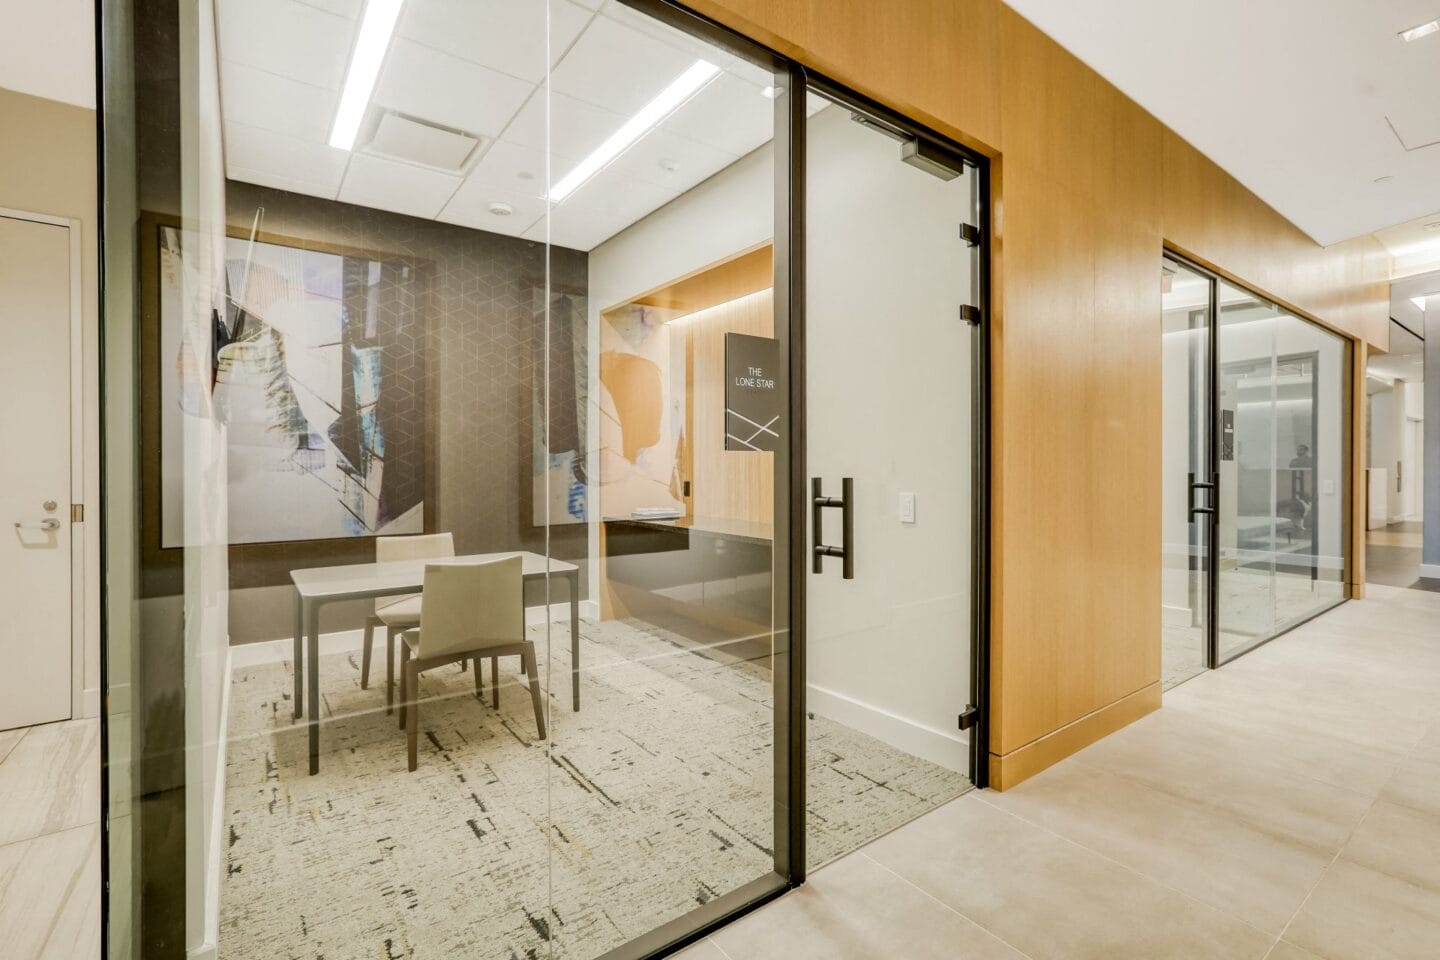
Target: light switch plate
x=907 y=508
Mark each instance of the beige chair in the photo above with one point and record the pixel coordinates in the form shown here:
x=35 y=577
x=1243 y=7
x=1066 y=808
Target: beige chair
x=398 y=613
x=468 y=610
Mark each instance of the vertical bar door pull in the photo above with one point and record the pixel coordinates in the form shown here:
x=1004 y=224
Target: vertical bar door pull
x=846 y=503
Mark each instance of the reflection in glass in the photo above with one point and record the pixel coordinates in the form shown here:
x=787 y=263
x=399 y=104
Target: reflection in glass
x=1283 y=398
x=1186 y=299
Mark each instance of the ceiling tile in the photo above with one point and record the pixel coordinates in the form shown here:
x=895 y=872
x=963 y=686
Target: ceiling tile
x=287 y=38
x=266 y=153
x=608 y=203
x=504 y=35
x=730 y=114
x=276 y=103
x=470 y=208
x=665 y=160
x=513 y=167
x=435 y=86
x=576 y=128
x=397 y=187
x=349 y=9
x=693 y=48
x=617 y=67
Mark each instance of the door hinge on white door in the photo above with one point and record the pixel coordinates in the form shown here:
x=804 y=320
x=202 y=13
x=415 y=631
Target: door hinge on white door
x=970 y=234
x=968 y=718
x=77 y=513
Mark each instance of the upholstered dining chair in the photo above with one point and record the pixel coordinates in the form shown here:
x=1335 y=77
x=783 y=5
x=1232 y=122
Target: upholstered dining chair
x=398 y=613
x=468 y=610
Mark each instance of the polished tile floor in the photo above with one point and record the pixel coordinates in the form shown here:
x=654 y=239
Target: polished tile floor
x=1285 y=807
x=50 y=841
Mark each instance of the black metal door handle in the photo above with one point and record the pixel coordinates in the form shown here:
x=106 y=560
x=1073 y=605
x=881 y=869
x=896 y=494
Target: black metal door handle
x=846 y=503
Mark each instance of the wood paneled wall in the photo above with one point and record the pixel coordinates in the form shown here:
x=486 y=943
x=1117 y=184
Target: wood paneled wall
x=1088 y=189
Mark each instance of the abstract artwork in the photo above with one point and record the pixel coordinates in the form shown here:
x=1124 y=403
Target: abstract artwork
x=320 y=384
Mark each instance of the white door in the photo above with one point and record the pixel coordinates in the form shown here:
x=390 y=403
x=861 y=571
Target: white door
x=35 y=608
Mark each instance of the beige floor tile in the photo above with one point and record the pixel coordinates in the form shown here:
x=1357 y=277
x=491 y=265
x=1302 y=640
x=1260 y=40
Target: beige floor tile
x=51 y=781
x=1288 y=951
x=855 y=909
x=1267 y=783
x=1356 y=913
x=704 y=950
x=8 y=740
x=1416 y=784
x=1052 y=899
x=1400 y=841
x=50 y=896
x=1209 y=854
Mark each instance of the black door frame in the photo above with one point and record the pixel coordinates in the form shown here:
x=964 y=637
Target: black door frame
x=1213 y=656
x=794 y=81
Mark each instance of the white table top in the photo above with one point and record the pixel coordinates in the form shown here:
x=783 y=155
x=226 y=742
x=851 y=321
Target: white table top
x=359 y=580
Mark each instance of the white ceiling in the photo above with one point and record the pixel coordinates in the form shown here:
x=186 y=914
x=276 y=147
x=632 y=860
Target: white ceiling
x=1295 y=98
x=47 y=49
x=478 y=66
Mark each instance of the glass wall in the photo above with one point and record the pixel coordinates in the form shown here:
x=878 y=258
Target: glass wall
x=442 y=616
x=1284 y=469
x=1187 y=298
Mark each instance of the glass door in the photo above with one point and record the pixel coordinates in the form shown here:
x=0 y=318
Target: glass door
x=1188 y=497
x=891 y=376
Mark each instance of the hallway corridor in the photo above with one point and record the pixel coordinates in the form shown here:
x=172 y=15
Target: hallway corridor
x=1285 y=807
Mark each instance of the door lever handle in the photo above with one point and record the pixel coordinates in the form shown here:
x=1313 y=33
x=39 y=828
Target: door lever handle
x=48 y=524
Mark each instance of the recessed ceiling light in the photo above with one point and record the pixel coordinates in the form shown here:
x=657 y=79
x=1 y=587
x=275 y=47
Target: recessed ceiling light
x=1420 y=30
x=681 y=89
x=370 y=45
x=499 y=209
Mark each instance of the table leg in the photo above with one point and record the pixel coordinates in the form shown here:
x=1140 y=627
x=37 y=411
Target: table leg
x=575 y=638
x=312 y=654
x=298 y=658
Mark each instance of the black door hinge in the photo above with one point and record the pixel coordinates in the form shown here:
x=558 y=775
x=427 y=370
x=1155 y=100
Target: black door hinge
x=968 y=718
x=969 y=314
x=970 y=234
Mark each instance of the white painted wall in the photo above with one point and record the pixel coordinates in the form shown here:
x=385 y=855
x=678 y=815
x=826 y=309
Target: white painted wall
x=47 y=49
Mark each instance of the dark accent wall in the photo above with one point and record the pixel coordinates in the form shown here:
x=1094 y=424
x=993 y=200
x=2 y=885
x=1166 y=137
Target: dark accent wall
x=482 y=302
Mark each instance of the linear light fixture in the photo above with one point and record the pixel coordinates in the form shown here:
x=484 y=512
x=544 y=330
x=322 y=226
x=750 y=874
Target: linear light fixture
x=1420 y=30
x=376 y=26
x=682 y=88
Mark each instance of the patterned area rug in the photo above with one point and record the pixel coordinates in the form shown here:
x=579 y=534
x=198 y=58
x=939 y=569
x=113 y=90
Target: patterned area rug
x=654 y=798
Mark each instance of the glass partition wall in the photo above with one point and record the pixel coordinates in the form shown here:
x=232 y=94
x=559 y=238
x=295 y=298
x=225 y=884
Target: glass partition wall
x=455 y=496
x=1257 y=470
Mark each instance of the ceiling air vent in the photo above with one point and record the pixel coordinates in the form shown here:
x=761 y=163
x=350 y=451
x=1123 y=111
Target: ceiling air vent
x=418 y=141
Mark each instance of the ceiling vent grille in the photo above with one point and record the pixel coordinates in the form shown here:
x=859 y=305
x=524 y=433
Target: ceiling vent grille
x=418 y=141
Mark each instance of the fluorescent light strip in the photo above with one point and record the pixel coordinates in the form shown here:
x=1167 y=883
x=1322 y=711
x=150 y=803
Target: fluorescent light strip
x=682 y=88
x=375 y=29
x=1420 y=30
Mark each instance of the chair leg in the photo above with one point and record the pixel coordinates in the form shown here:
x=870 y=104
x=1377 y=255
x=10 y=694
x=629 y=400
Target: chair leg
x=494 y=682
x=412 y=724
x=390 y=668
x=528 y=659
x=365 y=652
x=404 y=690
x=479 y=680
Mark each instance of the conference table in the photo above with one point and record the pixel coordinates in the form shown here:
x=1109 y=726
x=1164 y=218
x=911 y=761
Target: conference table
x=317 y=586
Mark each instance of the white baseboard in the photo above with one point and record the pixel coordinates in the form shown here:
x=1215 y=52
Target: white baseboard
x=1430 y=571
x=944 y=748
x=349 y=641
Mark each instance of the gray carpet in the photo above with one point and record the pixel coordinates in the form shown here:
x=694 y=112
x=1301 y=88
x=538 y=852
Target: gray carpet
x=654 y=798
